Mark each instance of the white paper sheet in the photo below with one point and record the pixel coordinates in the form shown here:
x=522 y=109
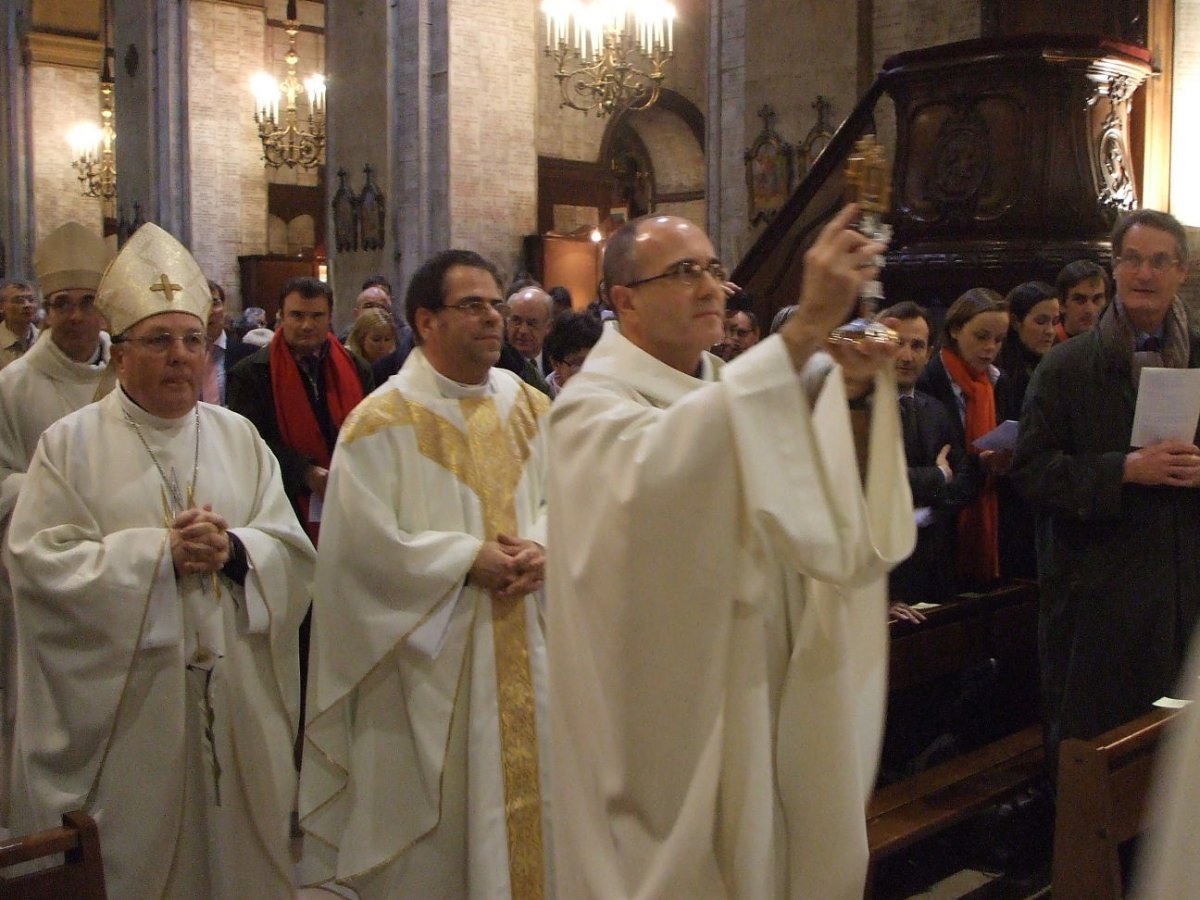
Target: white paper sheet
x=1168 y=406
x=1002 y=437
x=1171 y=703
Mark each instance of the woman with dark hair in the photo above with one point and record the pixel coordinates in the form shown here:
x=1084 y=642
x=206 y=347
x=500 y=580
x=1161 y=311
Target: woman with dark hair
x=963 y=376
x=1033 y=314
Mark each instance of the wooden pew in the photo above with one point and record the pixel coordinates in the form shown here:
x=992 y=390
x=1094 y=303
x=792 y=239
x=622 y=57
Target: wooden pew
x=79 y=877
x=1102 y=789
x=1000 y=625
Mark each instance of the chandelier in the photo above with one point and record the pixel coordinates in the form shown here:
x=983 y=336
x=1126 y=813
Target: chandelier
x=598 y=45
x=287 y=142
x=93 y=149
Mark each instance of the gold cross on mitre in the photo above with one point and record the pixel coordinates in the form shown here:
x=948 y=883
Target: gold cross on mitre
x=165 y=285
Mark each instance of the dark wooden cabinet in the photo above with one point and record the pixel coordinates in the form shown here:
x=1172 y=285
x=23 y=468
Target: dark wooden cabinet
x=264 y=275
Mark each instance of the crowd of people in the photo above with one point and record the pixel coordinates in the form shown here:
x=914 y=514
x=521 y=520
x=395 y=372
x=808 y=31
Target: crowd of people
x=499 y=598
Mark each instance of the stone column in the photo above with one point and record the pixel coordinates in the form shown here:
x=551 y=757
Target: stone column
x=418 y=80
x=151 y=40
x=726 y=141
x=371 y=53
x=441 y=104
x=16 y=153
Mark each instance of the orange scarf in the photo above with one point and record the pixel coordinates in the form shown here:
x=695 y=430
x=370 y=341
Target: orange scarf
x=1060 y=333
x=979 y=523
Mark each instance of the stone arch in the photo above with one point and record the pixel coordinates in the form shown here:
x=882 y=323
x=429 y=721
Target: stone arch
x=658 y=157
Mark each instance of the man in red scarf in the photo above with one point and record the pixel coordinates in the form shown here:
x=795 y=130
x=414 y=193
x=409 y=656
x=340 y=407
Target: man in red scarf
x=297 y=391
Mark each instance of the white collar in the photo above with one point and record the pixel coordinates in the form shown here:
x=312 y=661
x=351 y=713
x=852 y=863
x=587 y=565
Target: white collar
x=615 y=356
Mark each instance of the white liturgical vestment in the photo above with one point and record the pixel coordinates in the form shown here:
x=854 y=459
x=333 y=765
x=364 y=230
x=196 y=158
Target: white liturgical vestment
x=1169 y=860
x=426 y=751
x=164 y=707
x=717 y=609
x=35 y=392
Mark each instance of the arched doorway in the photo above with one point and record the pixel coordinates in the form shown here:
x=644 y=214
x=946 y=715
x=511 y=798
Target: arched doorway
x=657 y=158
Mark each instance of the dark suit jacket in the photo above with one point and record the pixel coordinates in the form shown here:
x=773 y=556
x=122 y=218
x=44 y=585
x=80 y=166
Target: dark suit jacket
x=928 y=575
x=248 y=392
x=935 y=381
x=236 y=350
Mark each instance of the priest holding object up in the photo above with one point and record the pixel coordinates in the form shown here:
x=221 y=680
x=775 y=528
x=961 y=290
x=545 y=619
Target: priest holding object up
x=717 y=583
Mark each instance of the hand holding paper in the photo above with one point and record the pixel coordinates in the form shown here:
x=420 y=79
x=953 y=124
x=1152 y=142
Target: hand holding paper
x=1171 y=463
x=1168 y=406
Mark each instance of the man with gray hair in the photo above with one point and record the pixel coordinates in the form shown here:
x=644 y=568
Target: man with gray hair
x=1119 y=528
x=716 y=583
x=530 y=316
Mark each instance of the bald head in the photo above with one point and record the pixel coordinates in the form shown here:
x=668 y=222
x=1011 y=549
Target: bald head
x=373 y=297
x=678 y=309
x=530 y=312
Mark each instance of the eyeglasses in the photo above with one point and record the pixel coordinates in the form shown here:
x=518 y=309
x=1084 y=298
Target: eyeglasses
x=193 y=342
x=1159 y=262
x=688 y=271
x=64 y=305
x=739 y=332
x=479 y=307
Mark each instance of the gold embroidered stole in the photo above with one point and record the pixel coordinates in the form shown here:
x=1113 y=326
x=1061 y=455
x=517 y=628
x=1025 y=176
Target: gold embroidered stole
x=489 y=458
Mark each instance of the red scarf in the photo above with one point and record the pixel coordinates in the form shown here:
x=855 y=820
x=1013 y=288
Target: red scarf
x=297 y=423
x=1060 y=333
x=979 y=523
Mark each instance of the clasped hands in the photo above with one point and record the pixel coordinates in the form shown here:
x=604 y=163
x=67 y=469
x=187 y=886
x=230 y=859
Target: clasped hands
x=508 y=567
x=199 y=541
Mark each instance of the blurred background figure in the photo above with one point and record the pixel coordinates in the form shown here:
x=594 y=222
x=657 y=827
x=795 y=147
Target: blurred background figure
x=964 y=377
x=372 y=336
x=1083 y=289
x=1033 y=316
x=567 y=345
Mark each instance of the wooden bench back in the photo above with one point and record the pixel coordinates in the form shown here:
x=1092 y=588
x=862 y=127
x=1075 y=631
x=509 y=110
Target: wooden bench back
x=80 y=876
x=1102 y=790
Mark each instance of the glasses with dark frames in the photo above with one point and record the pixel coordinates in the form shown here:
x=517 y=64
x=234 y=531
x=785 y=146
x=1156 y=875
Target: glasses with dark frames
x=689 y=271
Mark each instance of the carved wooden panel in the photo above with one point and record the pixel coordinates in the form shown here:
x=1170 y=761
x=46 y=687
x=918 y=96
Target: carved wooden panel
x=1012 y=159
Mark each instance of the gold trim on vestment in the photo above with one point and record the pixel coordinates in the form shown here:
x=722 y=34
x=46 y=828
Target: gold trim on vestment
x=489 y=458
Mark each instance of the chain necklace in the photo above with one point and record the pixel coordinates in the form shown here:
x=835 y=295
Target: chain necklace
x=172 y=484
